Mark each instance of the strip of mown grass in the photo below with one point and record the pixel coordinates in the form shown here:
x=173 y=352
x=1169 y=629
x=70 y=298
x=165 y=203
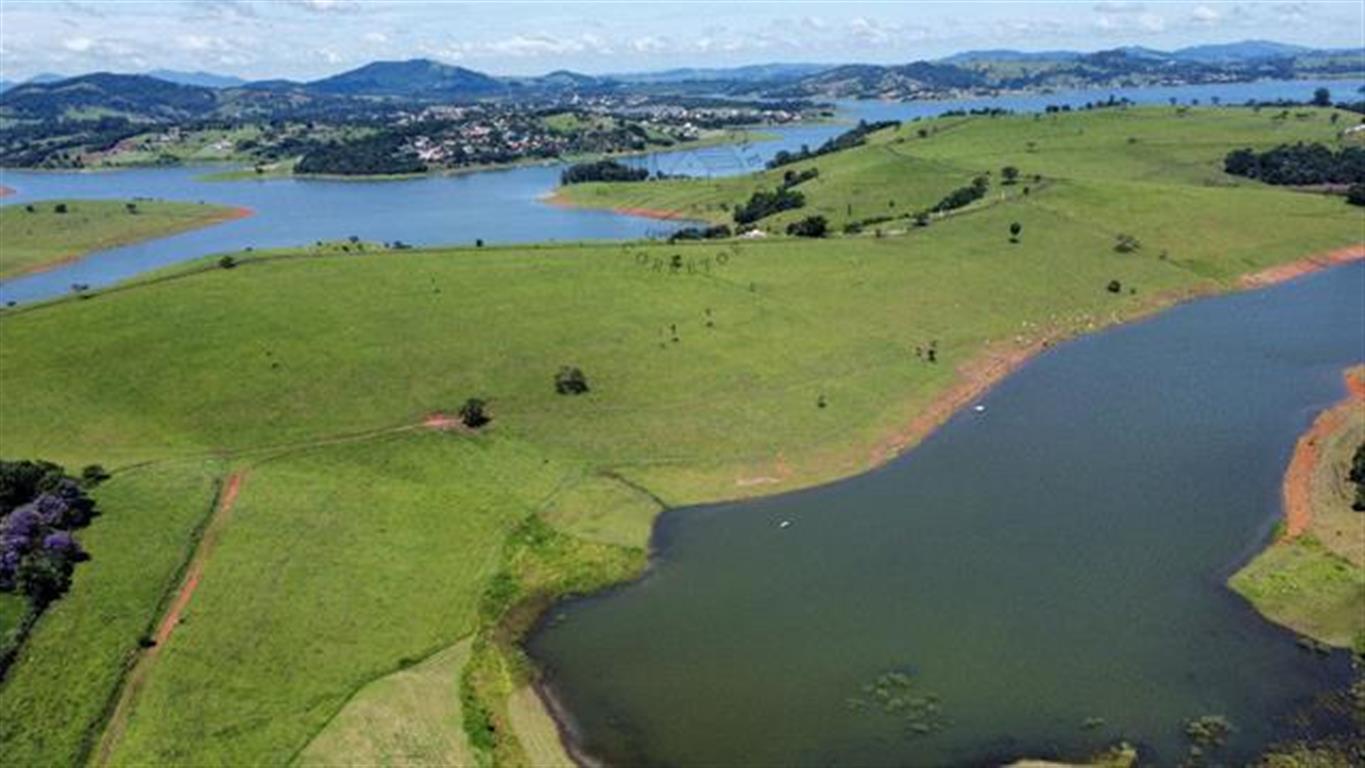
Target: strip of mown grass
x=54 y=698
x=34 y=236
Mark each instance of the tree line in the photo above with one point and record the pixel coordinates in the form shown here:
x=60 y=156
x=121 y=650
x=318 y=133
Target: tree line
x=848 y=139
x=1299 y=164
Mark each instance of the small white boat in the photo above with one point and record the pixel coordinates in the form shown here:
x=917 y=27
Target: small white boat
x=979 y=409
x=784 y=524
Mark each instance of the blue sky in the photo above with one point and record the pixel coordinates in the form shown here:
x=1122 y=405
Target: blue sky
x=311 y=38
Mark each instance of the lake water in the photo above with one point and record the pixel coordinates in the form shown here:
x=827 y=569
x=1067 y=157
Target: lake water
x=496 y=206
x=1059 y=557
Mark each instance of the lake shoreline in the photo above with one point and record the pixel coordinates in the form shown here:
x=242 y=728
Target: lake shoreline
x=975 y=378
x=6 y=191
x=1297 y=489
x=231 y=213
x=558 y=199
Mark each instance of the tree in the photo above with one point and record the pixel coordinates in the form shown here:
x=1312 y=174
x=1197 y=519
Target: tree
x=227 y=262
x=94 y=474
x=59 y=208
x=1015 y=229
x=1114 y=286
x=1009 y=174
x=130 y=208
x=474 y=413
x=571 y=381
x=1355 y=194
x=1322 y=98
x=811 y=226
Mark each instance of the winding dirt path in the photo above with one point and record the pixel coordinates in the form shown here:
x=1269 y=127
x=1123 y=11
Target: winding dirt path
x=142 y=666
x=1297 y=490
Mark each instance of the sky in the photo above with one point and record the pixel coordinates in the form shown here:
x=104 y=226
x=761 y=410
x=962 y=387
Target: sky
x=307 y=39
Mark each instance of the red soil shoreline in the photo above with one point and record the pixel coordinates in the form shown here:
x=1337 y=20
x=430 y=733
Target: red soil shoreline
x=1297 y=490
x=978 y=375
x=6 y=191
x=559 y=201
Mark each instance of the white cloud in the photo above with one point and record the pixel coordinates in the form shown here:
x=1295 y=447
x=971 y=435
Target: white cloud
x=78 y=44
x=376 y=37
x=1151 y=22
x=1204 y=15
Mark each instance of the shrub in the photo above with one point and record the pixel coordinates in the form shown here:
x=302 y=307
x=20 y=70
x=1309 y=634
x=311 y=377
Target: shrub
x=1355 y=194
x=227 y=262
x=1009 y=174
x=474 y=413
x=571 y=381
x=811 y=226
x=1126 y=243
x=94 y=474
x=1015 y=229
x=1357 y=476
x=59 y=208
x=1114 y=286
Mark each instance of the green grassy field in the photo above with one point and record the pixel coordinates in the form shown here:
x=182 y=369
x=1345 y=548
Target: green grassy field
x=361 y=543
x=42 y=238
x=899 y=172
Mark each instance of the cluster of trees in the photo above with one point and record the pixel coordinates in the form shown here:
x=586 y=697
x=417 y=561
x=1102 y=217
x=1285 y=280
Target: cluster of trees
x=792 y=178
x=716 y=232
x=851 y=138
x=963 y=196
x=811 y=226
x=40 y=506
x=383 y=153
x=602 y=170
x=763 y=204
x=1299 y=164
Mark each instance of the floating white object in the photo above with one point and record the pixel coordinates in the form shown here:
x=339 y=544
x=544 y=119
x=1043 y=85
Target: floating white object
x=980 y=409
x=784 y=524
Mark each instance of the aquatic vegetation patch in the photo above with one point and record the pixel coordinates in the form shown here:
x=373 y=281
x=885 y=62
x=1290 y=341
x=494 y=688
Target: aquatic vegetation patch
x=895 y=694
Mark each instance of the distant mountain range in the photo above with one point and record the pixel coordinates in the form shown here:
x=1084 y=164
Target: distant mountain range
x=171 y=94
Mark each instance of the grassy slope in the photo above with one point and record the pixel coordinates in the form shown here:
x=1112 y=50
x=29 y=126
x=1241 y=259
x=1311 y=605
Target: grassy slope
x=1148 y=144
x=44 y=238
x=402 y=719
x=58 y=688
x=341 y=561
x=1315 y=583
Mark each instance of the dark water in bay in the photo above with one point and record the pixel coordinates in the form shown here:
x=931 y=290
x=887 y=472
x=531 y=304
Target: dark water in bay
x=1059 y=557
x=503 y=206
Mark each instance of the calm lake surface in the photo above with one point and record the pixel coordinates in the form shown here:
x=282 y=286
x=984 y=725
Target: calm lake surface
x=497 y=206
x=1059 y=557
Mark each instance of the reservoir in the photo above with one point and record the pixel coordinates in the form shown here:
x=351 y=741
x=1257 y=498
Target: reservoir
x=1040 y=578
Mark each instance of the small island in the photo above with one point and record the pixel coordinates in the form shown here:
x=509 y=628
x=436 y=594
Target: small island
x=44 y=234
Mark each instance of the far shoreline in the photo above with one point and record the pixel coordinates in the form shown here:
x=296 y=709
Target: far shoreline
x=229 y=213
